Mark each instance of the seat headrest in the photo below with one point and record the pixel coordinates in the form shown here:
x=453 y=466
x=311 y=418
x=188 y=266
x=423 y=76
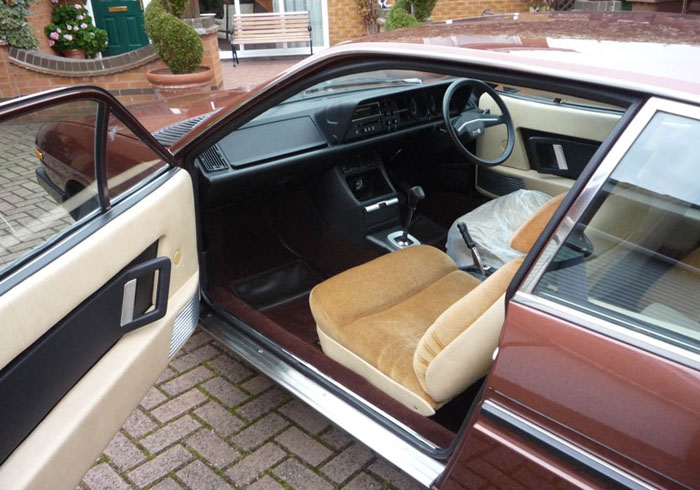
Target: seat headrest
x=525 y=236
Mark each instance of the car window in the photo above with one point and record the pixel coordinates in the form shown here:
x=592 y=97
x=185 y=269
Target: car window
x=634 y=257
x=47 y=176
x=129 y=160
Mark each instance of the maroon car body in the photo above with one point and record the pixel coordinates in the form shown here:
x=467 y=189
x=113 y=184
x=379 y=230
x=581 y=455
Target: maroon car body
x=563 y=406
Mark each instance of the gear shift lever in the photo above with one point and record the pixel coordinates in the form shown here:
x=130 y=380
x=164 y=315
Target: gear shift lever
x=471 y=245
x=415 y=194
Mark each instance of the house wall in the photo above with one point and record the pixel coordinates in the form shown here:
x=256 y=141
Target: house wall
x=345 y=22
x=39 y=17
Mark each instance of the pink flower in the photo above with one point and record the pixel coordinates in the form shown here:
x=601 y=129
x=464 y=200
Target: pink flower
x=78 y=6
x=58 y=30
x=54 y=1
x=83 y=25
x=68 y=37
x=80 y=17
x=54 y=35
x=51 y=42
x=69 y=27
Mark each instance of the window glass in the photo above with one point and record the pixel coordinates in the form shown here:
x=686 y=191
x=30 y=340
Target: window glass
x=634 y=258
x=129 y=160
x=47 y=174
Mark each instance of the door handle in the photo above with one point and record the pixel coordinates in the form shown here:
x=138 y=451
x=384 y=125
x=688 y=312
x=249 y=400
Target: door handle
x=121 y=8
x=130 y=279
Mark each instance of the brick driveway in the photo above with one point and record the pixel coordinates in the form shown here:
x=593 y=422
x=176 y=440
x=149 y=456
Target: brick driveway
x=212 y=422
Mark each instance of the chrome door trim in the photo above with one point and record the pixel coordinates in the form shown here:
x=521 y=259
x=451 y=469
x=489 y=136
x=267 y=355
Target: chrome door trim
x=399 y=452
x=598 y=179
x=552 y=441
x=627 y=334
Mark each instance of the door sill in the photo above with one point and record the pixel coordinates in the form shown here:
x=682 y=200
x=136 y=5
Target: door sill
x=375 y=435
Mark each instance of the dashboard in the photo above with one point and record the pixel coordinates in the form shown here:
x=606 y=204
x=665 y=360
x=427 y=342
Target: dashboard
x=332 y=121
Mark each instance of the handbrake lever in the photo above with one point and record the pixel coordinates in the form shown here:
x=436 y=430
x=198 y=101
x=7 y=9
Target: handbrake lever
x=471 y=245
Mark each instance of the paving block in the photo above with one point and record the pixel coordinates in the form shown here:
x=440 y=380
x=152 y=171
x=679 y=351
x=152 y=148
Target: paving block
x=230 y=369
x=212 y=448
x=153 y=398
x=266 y=483
x=248 y=469
x=199 y=476
x=271 y=399
x=304 y=416
x=123 y=453
x=257 y=384
x=103 y=477
x=225 y=392
x=197 y=356
x=297 y=475
x=179 y=405
x=259 y=432
x=160 y=466
x=221 y=420
x=186 y=381
x=363 y=482
x=138 y=424
x=171 y=433
x=303 y=446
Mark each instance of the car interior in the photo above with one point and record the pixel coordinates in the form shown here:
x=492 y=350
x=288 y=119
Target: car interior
x=370 y=223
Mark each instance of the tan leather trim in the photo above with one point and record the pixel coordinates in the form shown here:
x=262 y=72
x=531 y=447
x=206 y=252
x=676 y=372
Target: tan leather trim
x=355 y=363
x=525 y=236
x=533 y=180
x=64 y=445
x=453 y=370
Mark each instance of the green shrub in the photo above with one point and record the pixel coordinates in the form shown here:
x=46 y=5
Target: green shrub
x=176 y=42
x=400 y=16
x=14 y=28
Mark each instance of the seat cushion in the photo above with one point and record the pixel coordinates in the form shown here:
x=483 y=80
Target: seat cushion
x=381 y=309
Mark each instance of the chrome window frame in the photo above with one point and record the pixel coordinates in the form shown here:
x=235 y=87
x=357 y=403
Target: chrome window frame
x=592 y=321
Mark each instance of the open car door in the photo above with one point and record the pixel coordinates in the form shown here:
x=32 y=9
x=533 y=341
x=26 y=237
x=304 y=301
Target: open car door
x=99 y=278
x=596 y=382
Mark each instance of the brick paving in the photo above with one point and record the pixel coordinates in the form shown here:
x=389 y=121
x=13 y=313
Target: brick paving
x=250 y=73
x=212 y=421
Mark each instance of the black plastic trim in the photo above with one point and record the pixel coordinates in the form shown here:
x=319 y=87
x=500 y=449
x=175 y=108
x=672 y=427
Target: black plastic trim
x=36 y=380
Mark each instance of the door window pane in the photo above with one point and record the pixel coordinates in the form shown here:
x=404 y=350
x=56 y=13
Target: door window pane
x=47 y=175
x=634 y=258
x=129 y=160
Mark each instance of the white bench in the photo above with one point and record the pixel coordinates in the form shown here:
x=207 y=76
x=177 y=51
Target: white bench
x=271 y=27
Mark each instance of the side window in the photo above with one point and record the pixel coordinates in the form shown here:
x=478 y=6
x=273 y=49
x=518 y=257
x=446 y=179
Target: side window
x=47 y=175
x=129 y=160
x=634 y=257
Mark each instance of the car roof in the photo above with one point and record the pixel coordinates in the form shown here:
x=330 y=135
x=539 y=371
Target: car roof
x=656 y=53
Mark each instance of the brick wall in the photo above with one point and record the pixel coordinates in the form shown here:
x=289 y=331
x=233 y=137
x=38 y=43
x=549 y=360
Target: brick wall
x=39 y=17
x=343 y=21
x=457 y=9
x=29 y=72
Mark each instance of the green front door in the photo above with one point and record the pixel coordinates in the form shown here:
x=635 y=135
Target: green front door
x=123 y=21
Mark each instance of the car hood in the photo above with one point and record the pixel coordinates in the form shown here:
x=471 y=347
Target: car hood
x=166 y=112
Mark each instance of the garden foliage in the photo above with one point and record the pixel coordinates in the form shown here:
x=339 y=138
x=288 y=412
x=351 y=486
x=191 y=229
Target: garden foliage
x=13 y=24
x=176 y=42
x=406 y=13
x=72 y=28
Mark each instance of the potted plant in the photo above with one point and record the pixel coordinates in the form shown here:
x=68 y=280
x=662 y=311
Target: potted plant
x=73 y=34
x=178 y=45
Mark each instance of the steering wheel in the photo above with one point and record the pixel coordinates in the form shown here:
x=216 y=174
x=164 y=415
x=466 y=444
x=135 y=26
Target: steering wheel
x=472 y=122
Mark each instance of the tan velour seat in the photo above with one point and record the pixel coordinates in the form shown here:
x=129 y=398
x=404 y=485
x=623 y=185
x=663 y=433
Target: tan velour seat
x=413 y=324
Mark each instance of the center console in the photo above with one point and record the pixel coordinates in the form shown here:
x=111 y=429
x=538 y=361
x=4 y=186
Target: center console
x=357 y=198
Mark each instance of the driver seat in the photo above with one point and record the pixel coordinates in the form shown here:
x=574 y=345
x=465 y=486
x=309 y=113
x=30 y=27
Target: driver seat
x=413 y=324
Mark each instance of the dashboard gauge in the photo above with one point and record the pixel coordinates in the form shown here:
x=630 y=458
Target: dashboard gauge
x=432 y=105
x=418 y=107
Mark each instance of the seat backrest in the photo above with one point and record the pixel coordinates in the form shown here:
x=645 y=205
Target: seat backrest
x=456 y=349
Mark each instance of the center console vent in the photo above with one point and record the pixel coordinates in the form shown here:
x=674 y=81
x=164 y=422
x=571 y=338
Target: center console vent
x=212 y=160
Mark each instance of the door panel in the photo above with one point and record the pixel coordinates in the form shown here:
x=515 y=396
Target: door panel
x=65 y=443
x=93 y=299
x=581 y=124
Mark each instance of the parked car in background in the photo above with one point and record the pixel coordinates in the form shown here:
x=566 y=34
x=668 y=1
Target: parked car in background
x=475 y=246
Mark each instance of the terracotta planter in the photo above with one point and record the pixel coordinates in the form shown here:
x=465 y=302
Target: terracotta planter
x=167 y=83
x=78 y=54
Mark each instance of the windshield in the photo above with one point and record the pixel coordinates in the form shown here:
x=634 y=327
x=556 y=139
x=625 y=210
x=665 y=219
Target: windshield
x=365 y=81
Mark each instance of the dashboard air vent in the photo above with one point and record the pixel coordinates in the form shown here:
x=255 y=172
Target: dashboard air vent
x=170 y=135
x=212 y=160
